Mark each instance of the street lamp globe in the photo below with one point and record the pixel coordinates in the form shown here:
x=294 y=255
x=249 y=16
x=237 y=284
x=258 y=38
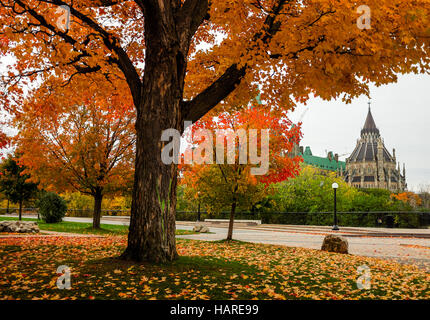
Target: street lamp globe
x=335 y=185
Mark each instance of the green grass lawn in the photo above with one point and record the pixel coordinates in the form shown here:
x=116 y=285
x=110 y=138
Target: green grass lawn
x=85 y=228
x=205 y=270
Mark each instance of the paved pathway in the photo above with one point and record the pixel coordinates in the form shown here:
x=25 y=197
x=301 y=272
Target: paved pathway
x=403 y=245
x=386 y=245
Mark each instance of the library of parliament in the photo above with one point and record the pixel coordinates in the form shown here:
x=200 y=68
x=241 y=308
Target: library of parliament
x=370 y=165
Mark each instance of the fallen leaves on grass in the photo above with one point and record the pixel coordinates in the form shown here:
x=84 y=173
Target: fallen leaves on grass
x=206 y=270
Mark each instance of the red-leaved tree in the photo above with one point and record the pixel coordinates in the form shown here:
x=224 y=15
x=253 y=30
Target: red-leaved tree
x=236 y=156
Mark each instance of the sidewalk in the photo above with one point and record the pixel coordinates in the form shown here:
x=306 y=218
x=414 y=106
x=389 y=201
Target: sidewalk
x=325 y=230
x=408 y=250
x=305 y=229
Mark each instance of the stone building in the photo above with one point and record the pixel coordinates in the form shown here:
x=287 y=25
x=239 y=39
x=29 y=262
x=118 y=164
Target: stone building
x=371 y=165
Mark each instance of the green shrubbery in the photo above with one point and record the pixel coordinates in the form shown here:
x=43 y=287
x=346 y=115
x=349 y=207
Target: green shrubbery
x=81 y=205
x=407 y=220
x=345 y=219
x=311 y=191
x=308 y=200
x=52 y=207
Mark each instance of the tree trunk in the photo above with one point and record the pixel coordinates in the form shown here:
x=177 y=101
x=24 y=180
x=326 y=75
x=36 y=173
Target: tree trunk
x=98 y=197
x=231 y=222
x=7 y=207
x=20 y=210
x=152 y=223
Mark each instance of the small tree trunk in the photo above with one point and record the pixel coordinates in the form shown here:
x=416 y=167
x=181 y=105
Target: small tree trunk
x=98 y=197
x=7 y=206
x=20 y=210
x=230 y=225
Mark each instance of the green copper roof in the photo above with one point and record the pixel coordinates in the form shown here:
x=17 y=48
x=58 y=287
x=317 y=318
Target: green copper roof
x=327 y=163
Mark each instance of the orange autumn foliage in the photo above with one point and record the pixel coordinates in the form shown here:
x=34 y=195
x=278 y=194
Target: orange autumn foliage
x=77 y=140
x=3 y=140
x=292 y=49
x=408 y=197
x=282 y=137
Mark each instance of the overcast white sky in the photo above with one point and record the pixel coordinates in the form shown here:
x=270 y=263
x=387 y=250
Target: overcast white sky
x=401 y=112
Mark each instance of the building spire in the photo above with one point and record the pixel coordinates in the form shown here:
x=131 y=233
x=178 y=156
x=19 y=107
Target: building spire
x=369 y=124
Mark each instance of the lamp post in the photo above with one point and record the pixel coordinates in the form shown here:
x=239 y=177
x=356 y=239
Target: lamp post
x=335 y=186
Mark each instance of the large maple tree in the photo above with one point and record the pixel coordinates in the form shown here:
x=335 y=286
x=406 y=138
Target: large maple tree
x=181 y=58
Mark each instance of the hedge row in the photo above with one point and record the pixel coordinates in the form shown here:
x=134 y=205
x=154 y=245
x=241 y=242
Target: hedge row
x=347 y=219
x=408 y=219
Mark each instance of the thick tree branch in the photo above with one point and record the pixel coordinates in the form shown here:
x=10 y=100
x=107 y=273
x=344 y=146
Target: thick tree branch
x=196 y=108
x=189 y=18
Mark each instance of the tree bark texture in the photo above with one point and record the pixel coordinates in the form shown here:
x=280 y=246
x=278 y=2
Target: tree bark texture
x=20 y=210
x=152 y=223
x=231 y=222
x=98 y=198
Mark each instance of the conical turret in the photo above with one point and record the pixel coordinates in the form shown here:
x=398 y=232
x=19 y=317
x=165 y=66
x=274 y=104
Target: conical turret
x=370 y=125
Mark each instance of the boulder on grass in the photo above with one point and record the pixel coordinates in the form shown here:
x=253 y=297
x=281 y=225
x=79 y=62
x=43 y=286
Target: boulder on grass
x=200 y=228
x=334 y=243
x=197 y=228
x=19 y=226
x=204 y=230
